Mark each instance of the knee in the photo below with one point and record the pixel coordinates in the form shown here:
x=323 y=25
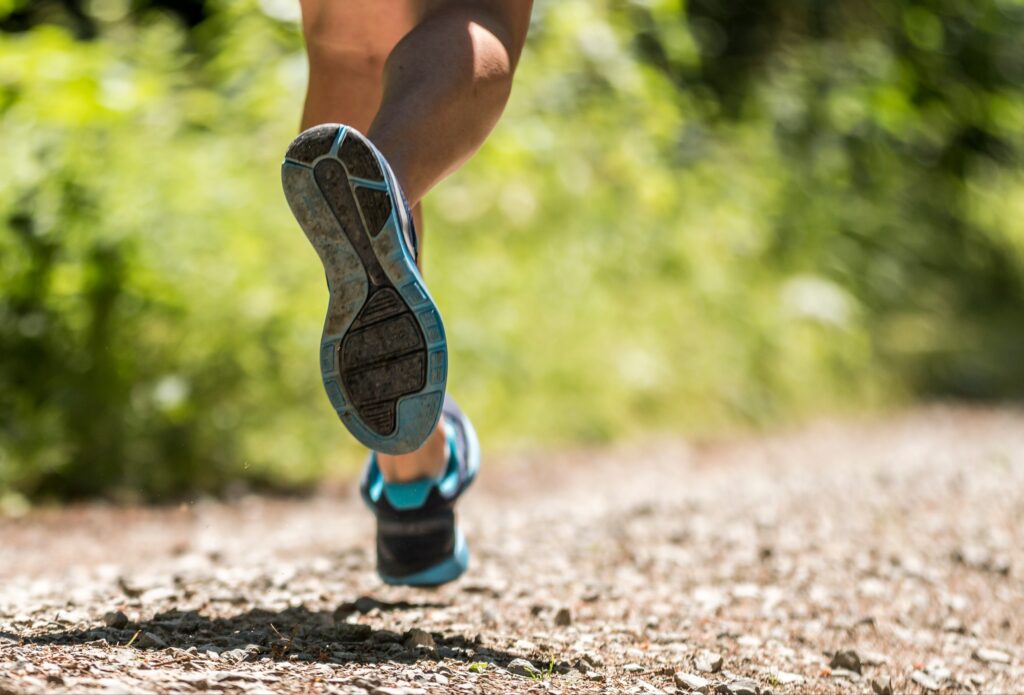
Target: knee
x=493 y=62
x=476 y=42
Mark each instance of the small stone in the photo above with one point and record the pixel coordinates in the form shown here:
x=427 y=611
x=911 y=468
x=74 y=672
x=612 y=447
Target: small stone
x=563 y=618
x=880 y=688
x=353 y=632
x=649 y=688
x=991 y=656
x=115 y=619
x=872 y=659
x=632 y=668
x=129 y=589
x=692 y=682
x=708 y=662
x=924 y=680
x=594 y=676
x=977 y=679
x=846 y=659
x=742 y=686
x=954 y=625
x=937 y=670
x=786 y=678
x=236 y=655
x=562 y=666
x=385 y=637
x=846 y=674
x=522 y=667
x=365 y=604
x=417 y=638
x=148 y=640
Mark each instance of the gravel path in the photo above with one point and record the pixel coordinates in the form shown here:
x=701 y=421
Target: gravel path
x=843 y=557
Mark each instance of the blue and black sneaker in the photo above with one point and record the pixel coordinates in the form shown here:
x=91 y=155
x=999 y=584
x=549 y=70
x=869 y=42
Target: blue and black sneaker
x=383 y=355
x=418 y=541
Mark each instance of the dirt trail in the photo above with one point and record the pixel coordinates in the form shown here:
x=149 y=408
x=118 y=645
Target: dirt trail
x=837 y=558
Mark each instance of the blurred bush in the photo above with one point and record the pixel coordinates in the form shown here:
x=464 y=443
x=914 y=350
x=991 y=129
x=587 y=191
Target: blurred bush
x=692 y=217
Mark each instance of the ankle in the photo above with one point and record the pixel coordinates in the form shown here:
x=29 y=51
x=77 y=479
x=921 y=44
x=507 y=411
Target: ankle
x=429 y=461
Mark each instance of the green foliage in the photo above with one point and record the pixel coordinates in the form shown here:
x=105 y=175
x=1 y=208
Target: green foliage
x=690 y=218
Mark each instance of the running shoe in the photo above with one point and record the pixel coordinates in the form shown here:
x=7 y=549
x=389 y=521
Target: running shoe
x=383 y=354
x=418 y=541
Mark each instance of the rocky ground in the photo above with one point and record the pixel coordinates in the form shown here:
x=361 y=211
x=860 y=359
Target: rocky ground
x=866 y=557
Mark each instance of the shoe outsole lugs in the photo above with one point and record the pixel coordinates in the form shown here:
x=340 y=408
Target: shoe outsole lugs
x=383 y=354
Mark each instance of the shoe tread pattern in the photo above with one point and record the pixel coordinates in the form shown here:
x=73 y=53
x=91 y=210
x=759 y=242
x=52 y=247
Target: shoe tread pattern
x=383 y=355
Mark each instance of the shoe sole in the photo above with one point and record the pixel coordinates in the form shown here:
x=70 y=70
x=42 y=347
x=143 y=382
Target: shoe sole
x=383 y=354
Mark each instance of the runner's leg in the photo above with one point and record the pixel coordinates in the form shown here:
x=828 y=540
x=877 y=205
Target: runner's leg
x=426 y=80
x=445 y=86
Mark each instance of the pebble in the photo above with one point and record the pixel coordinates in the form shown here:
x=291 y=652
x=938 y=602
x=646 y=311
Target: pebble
x=741 y=686
x=632 y=668
x=786 y=678
x=692 y=682
x=385 y=637
x=846 y=659
x=846 y=674
x=649 y=688
x=115 y=619
x=417 y=638
x=148 y=640
x=872 y=658
x=365 y=604
x=991 y=656
x=353 y=632
x=954 y=625
x=594 y=676
x=563 y=617
x=880 y=688
x=236 y=654
x=128 y=588
x=709 y=662
x=522 y=667
x=924 y=680
x=937 y=670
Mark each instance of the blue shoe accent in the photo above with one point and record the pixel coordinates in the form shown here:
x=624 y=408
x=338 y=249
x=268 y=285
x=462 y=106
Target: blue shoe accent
x=418 y=541
x=383 y=356
x=413 y=495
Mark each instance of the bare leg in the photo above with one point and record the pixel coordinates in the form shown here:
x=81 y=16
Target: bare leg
x=348 y=43
x=436 y=97
x=445 y=86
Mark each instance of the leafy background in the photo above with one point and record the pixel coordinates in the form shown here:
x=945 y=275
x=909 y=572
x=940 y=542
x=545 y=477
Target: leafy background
x=695 y=217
